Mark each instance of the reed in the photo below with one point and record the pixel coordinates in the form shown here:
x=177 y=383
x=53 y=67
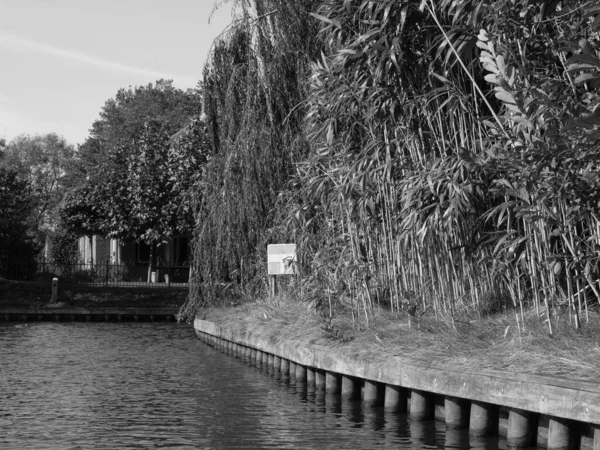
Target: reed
x=430 y=158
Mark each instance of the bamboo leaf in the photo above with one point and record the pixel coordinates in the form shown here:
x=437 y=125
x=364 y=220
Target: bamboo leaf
x=504 y=96
x=583 y=59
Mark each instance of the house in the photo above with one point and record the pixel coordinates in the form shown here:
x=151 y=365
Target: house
x=172 y=257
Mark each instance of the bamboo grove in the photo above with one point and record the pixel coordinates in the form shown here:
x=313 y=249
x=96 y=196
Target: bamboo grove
x=436 y=155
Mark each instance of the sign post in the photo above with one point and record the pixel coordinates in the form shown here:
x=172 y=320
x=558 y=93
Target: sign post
x=281 y=260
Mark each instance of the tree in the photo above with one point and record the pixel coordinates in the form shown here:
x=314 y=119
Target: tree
x=17 y=244
x=131 y=175
x=254 y=91
x=41 y=162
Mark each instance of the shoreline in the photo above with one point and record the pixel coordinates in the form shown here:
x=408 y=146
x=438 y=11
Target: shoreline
x=553 y=399
x=62 y=313
x=29 y=302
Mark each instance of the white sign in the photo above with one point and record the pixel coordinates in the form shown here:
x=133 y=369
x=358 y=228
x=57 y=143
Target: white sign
x=281 y=259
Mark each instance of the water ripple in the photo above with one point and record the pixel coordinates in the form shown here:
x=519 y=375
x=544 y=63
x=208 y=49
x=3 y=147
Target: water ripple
x=153 y=385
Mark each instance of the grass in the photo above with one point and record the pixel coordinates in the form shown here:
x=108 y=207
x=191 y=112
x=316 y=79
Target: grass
x=492 y=343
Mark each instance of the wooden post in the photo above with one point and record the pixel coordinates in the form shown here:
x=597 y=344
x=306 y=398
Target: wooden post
x=350 y=387
x=456 y=412
x=596 y=437
x=54 y=296
x=320 y=379
x=421 y=406
x=300 y=373
x=372 y=393
x=168 y=275
x=285 y=367
x=332 y=383
x=558 y=434
x=520 y=429
x=484 y=419
x=395 y=398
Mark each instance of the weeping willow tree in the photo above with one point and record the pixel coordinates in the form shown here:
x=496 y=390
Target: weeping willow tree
x=452 y=168
x=254 y=94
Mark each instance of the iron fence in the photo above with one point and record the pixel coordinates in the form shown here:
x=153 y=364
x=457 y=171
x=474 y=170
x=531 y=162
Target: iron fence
x=100 y=273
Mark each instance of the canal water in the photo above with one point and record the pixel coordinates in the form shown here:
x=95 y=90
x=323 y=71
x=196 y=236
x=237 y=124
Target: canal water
x=154 y=385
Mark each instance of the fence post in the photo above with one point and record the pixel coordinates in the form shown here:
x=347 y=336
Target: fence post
x=168 y=275
x=54 y=290
x=107 y=269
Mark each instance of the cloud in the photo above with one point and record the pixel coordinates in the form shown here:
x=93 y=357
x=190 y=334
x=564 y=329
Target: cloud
x=21 y=44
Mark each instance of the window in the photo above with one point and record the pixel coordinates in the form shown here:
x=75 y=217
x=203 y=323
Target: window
x=143 y=252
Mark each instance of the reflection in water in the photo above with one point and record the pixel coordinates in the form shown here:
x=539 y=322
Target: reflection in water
x=153 y=385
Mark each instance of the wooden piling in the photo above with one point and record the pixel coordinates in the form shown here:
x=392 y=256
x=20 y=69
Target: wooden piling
x=483 y=419
x=421 y=406
x=310 y=376
x=300 y=373
x=320 y=379
x=332 y=383
x=285 y=367
x=395 y=398
x=520 y=428
x=456 y=412
x=350 y=387
x=292 y=372
x=276 y=364
x=559 y=434
x=372 y=393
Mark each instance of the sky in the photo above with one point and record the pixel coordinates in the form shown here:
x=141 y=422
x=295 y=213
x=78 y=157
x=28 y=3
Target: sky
x=61 y=60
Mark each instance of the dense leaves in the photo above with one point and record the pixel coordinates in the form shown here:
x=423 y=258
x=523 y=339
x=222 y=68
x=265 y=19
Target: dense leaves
x=133 y=178
x=433 y=154
x=41 y=162
x=254 y=96
x=17 y=241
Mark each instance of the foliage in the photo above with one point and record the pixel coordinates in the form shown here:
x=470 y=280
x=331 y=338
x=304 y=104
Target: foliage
x=41 y=161
x=547 y=160
x=63 y=248
x=446 y=161
x=253 y=93
x=16 y=241
x=132 y=177
x=421 y=190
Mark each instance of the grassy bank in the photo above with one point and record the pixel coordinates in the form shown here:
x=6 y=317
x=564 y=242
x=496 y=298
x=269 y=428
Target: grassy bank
x=493 y=342
x=32 y=294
